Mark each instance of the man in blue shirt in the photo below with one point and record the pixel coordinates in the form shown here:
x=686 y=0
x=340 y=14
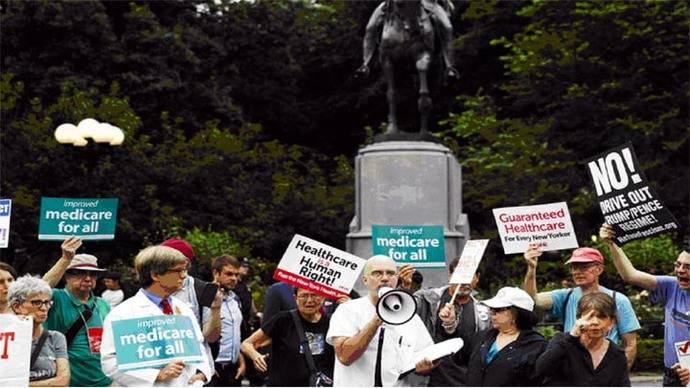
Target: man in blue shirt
x=586 y=266
x=673 y=292
x=230 y=364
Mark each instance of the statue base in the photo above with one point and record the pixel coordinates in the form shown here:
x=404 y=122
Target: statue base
x=408 y=183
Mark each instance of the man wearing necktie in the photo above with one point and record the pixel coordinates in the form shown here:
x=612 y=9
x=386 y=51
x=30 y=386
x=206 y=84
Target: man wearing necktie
x=161 y=271
x=367 y=353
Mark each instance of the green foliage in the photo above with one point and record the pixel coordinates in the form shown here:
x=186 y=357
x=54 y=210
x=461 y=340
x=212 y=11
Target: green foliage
x=547 y=331
x=209 y=244
x=650 y=355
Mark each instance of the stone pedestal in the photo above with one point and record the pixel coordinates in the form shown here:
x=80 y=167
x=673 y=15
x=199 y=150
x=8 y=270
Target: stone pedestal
x=408 y=183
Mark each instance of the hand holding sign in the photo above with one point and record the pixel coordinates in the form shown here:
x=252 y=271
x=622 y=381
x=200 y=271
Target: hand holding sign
x=447 y=313
x=171 y=371
x=69 y=247
x=532 y=256
x=682 y=368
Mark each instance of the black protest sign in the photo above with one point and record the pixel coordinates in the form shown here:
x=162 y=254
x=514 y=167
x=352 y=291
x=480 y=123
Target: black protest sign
x=626 y=199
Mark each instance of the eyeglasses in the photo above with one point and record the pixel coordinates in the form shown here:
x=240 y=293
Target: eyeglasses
x=581 y=266
x=684 y=266
x=82 y=274
x=498 y=309
x=377 y=273
x=178 y=271
x=308 y=296
x=48 y=303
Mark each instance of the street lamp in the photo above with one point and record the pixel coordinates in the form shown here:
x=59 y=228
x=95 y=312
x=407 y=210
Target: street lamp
x=89 y=128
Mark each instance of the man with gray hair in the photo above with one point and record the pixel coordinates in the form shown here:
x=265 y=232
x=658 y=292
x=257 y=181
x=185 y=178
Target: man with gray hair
x=355 y=328
x=161 y=271
x=78 y=313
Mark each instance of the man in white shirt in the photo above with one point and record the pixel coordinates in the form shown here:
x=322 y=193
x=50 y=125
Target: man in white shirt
x=113 y=293
x=356 y=330
x=229 y=365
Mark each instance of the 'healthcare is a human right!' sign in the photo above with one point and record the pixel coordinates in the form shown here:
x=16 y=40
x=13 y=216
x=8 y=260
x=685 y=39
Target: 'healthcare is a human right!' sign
x=318 y=267
x=627 y=201
x=88 y=218
x=548 y=225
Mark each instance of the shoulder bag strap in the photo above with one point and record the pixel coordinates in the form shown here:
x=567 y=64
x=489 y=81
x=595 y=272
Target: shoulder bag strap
x=39 y=346
x=303 y=340
x=77 y=325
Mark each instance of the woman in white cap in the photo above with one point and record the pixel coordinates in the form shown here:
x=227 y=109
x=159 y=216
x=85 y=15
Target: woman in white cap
x=585 y=357
x=505 y=355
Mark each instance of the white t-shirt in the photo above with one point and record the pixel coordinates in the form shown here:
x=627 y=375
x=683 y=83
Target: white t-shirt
x=113 y=297
x=399 y=345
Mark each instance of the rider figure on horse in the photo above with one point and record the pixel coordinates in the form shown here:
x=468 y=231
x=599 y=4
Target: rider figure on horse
x=439 y=16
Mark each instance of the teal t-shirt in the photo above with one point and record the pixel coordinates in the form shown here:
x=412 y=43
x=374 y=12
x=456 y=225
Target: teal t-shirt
x=626 y=320
x=85 y=367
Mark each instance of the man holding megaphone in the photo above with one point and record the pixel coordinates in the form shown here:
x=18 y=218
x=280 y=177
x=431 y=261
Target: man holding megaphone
x=376 y=336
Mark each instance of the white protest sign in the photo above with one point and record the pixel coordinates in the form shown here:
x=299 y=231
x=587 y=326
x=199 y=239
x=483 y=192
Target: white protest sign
x=318 y=267
x=547 y=225
x=5 y=212
x=683 y=352
x=15 y=350
x=469 y=261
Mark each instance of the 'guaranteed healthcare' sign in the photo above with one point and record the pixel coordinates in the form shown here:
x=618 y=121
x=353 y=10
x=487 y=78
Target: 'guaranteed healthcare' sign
x=419 y=245
x=88 y=218
x=548 y=225
x=155 y=341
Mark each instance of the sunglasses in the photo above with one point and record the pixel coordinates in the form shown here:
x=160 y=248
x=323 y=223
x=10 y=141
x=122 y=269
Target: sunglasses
x=83 y=274
x=498 y=309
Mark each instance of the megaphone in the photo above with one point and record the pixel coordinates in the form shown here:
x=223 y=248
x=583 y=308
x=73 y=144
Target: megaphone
x=395 y=306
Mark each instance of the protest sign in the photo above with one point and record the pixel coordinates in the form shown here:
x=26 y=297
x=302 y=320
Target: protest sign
x=319 y=268
x=419 y=245
x=626 y=200
x=683 y=353
x=547 y=225
x=15 y=350
x=88 y=218
x=155 y=341
x=469 y=261
x=5 y=212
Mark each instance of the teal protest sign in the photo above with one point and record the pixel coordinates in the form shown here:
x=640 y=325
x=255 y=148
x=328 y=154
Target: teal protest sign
x=88 y=218
x=419 y=245
x=155 y=341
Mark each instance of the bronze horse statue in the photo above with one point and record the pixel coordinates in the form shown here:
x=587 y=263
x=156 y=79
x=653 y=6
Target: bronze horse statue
x=409 y=35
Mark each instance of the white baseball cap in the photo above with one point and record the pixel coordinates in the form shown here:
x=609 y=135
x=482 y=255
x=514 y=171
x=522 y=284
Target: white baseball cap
x=511 y=296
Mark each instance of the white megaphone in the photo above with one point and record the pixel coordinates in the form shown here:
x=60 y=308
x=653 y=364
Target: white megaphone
x=395 y=306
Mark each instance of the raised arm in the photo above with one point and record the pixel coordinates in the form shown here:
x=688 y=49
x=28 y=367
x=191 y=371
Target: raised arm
x=349 y=349
x=623 y=264
x=69 y=248
x=542 y=300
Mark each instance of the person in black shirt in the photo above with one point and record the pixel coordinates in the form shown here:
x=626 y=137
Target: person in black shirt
x=585 y=357
x=287 y=365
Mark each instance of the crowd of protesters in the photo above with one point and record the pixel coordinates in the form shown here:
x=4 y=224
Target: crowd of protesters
x=305 y=340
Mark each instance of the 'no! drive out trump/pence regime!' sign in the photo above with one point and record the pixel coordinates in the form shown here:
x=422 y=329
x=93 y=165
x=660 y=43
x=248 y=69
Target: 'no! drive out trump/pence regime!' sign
x=319 y=268
x=88 y=218
x=547 y=225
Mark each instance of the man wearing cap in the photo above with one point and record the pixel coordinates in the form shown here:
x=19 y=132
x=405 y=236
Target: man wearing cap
x=367 y=352
x=78 y=314
x=586 y=266
x=672 y=291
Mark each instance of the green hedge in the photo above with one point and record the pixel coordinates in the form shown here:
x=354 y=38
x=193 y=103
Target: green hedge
x=650 y=355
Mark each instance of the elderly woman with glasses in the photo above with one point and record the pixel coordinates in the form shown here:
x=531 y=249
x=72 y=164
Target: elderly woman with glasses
x=30 y=296
x=287 y=365
x=506 y=354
